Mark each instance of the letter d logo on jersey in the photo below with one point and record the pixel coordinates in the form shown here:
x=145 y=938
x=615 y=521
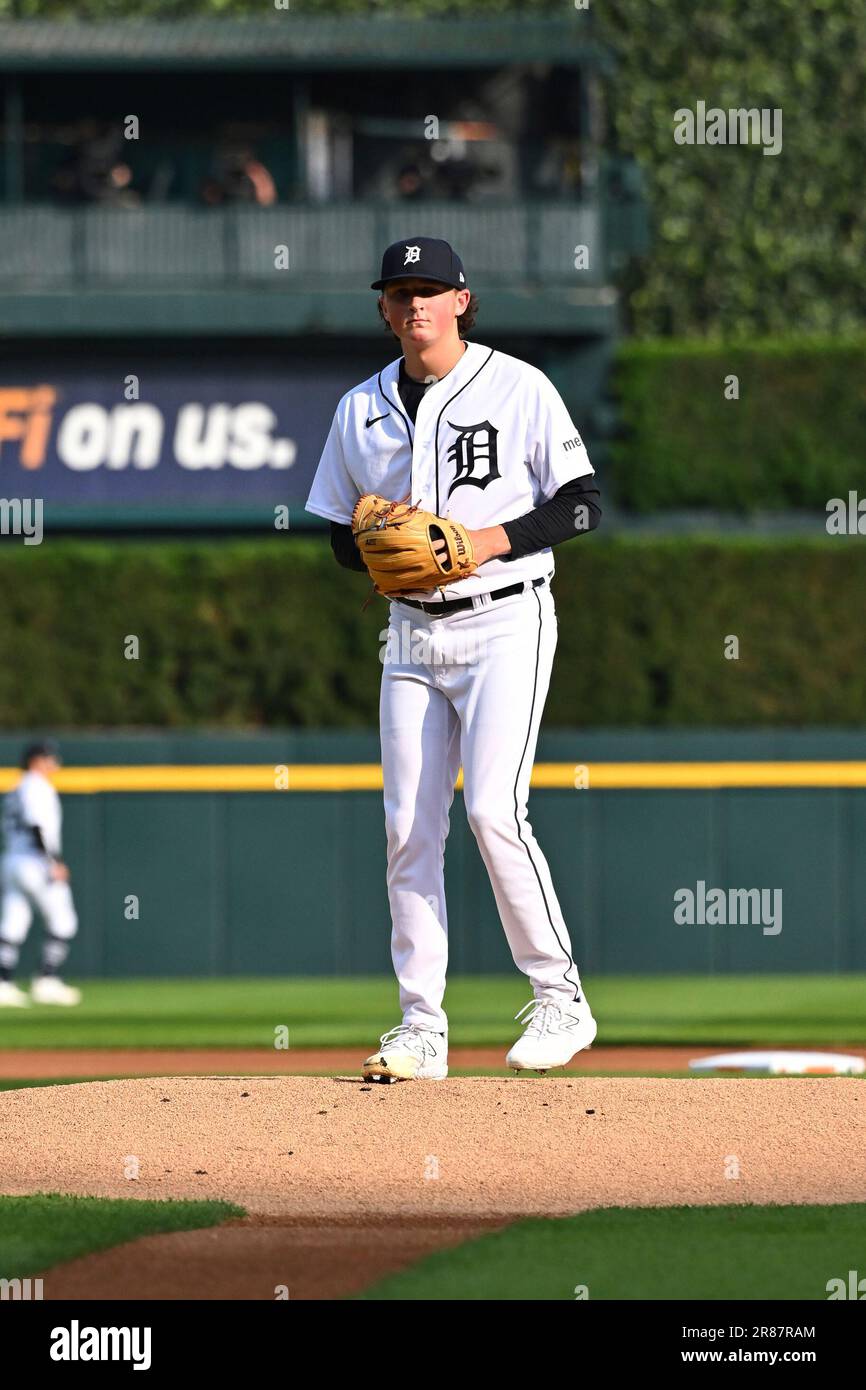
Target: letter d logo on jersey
x=473 y=451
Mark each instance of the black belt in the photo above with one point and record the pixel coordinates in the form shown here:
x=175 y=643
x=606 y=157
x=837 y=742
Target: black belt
x=454 y=605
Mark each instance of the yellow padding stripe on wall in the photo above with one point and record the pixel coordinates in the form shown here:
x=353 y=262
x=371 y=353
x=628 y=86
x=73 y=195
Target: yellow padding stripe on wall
x=343 y=777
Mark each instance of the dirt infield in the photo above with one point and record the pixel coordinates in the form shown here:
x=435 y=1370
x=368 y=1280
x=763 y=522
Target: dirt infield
x=250 y=1259
x=22 y=1064
x=344 y=1180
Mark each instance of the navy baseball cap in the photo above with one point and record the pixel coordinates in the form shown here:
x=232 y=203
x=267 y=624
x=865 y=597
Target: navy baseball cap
x=46 y=748
x=421 y=258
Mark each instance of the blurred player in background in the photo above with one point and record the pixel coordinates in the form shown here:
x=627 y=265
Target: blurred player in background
x=33 y=876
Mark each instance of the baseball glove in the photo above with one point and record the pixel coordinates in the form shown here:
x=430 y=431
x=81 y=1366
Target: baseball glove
x=405 y=547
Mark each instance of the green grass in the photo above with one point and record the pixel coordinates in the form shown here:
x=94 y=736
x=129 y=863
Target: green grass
x=41 y=1231
x=699 y=1253
x=704 y=1011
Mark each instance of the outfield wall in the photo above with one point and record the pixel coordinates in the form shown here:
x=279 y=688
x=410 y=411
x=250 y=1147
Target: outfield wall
x=242 y=878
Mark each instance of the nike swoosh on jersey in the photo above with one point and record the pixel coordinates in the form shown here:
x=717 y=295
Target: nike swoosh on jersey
x=376 y=421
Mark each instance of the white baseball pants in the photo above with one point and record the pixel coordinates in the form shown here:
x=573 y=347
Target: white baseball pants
x=468 y=688
x=26 y=886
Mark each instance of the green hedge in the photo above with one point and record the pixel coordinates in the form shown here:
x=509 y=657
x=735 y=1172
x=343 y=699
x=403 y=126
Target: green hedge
x=794 y=438
x=745 y=244
x=252 y=633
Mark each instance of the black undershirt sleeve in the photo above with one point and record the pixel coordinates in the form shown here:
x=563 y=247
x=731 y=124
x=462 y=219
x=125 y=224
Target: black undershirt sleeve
x=571 y=511
x=344 y=547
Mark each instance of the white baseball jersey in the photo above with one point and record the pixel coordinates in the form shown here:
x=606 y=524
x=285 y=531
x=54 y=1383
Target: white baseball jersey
x=492 y=440
x=34 y=802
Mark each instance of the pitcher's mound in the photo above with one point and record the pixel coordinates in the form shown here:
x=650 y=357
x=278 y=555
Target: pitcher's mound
x=338 y=1148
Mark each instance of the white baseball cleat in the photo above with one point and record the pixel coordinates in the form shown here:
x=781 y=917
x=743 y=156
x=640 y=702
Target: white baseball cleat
x=48 y=989
x=554 y=1032
x=409 y=1053
x=11 y=997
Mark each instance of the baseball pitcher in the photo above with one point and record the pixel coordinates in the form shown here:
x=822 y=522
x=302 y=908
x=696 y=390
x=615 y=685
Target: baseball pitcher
x=449 y=476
